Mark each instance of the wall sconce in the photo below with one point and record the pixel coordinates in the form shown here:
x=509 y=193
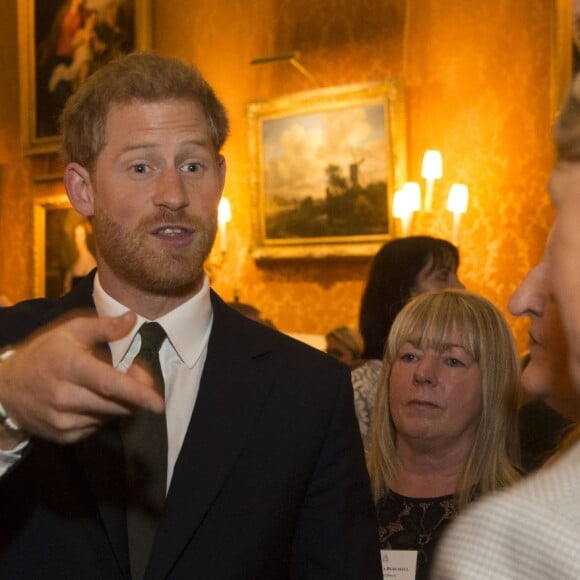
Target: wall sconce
x=224 y=218
x=406 y=202
x=431 y=170
x=457 y=204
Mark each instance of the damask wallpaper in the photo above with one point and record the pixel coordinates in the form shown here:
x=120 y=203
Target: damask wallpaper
x=476 y=80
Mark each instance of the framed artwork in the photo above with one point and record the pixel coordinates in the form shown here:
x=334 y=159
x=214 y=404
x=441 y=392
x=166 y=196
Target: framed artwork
x=63 y=247
x=325 y=165
x=565 y=53
x=61 y=42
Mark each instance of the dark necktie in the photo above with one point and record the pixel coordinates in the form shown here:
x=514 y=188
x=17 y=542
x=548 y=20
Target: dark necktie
x=144 y=436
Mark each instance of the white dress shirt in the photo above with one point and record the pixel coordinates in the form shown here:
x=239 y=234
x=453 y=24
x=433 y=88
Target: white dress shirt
x=182 y=358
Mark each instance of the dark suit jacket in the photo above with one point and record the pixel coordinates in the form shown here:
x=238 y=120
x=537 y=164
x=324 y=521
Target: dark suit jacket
x=542 y=429
x=270 y=482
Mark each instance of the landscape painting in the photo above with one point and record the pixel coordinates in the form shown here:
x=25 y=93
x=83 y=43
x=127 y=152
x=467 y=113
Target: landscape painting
x=325 y=171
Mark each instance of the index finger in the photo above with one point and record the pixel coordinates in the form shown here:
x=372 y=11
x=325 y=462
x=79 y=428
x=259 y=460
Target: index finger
x=131 y=389
x=134 y=388
x=91 y=330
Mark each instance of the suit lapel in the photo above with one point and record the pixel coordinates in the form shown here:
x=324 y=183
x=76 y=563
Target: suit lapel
x=231 y=394
x=101 y=455
x=101 y=458
x=80 y=297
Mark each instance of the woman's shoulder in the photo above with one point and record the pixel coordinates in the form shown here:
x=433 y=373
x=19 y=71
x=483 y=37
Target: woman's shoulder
x=367 y=373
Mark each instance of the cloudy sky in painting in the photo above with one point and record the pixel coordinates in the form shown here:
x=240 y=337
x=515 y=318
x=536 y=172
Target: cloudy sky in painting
x=297 y=149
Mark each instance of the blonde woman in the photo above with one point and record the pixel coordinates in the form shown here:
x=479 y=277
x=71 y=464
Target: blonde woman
x=445 y=424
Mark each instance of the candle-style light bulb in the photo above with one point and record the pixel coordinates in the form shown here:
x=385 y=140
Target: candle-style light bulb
x=457 y=204
x=431 y=170
x=224 y=218
x=405 y=202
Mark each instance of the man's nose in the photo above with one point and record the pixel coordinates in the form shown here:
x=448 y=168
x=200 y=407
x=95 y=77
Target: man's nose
x=529 y=296
x=170 y=190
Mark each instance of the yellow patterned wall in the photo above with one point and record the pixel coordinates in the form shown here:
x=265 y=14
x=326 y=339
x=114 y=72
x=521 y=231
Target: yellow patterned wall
x=476 y=77
x=477 y=88
x=15 y=194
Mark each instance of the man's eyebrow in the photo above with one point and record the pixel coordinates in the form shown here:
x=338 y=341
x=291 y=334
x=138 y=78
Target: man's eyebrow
x=136 y=146
x=205 y=143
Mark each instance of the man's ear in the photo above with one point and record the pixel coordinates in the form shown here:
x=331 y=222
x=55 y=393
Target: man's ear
x=79 y=188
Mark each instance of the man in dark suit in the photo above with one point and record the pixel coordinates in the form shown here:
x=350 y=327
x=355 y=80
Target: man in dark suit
x=263 y=469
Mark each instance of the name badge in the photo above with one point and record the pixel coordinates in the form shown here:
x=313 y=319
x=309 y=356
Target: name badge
x=399 y=564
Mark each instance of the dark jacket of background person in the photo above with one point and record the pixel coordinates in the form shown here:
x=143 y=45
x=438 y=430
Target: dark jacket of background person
x=542 y=429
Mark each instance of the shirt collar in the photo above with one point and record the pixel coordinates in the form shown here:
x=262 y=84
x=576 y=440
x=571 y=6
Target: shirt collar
x=187 y=326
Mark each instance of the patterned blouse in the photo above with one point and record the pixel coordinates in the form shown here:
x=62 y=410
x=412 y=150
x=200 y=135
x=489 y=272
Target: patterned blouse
x=365 y=379
x=407 y=523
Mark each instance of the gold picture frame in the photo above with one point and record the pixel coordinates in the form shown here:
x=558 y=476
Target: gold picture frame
x=60 y=43
x=63 y=246
x=325 y=166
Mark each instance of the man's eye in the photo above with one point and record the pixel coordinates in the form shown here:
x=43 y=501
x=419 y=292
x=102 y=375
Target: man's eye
x=192 y=167
x=139 y=168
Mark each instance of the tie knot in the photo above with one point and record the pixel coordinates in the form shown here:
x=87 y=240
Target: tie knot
x=152 y=336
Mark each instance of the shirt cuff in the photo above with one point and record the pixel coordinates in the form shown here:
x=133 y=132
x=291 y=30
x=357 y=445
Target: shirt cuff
x=8 y=458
